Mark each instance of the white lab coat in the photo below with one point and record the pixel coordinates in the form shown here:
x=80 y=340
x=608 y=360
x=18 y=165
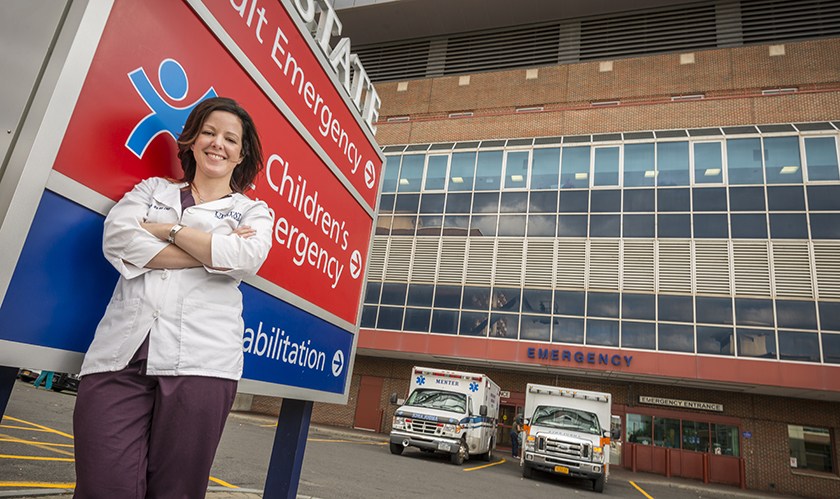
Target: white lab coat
x=193 y=316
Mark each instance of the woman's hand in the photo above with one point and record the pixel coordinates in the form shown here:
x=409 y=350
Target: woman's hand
x=244 y=231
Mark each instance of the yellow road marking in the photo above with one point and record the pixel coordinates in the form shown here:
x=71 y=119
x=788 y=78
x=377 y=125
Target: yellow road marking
x=24 y=428
x=339 y=441
x=640 y=490
x=40 y=445
x=503 y=460
x=222 y=483
x=45 y=428
x=36 y=458
x=39 y=485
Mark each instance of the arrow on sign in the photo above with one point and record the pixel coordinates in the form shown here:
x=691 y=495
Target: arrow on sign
x=355 y=264
x=370 y=174
x=338 y=363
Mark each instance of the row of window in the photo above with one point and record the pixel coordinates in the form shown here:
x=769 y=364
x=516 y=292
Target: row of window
x=667 y=337
x=771 y=160
x=664 y=226
x=697 y=436
x=751 y=312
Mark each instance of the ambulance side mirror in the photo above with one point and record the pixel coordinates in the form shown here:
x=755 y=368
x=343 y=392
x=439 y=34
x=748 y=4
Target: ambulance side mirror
x=394 y=398
x=482 y=411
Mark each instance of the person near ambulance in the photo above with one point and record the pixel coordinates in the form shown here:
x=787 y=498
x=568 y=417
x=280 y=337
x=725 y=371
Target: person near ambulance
x=160 y=376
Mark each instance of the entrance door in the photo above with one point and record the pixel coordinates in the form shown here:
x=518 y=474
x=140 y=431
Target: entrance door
x=368 y=414
x=507 y=413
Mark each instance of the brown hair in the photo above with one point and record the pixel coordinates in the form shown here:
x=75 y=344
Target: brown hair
x=252 y=160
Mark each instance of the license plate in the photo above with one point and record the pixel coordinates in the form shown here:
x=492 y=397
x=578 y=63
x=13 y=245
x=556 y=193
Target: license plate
x=443 y=446
x=561 y=469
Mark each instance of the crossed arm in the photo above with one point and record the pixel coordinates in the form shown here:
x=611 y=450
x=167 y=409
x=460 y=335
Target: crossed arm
x=192 y=247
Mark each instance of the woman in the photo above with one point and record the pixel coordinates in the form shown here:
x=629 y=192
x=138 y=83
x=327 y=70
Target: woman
x=160 y=376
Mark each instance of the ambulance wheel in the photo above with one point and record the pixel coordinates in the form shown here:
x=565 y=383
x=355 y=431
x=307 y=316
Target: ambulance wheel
x=526 y=470
x=598 y=484
x=461 y=455
x=396 y=449
x=488 y=456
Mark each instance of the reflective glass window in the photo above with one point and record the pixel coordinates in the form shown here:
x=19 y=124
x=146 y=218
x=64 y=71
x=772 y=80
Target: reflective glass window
x=506 y=299
x=785 y=198
x=795 y=345
x=810 y=448
x=484 y=225
x=546 y=168
x=708 y=163
x=606 y=201
x=429 y=225
x=447 y=296
x=432 y=203
x=710 y=226
x=411 y=173
x=831 y=348
x=676 y=338
x=676 y=308
x=746 y=199
x=504 y=325
x=781 y=158
x=574 y=170
x=606 y=166
x=673 y=200
x=567 y=330
x=725 y=440
x=788 y=226
x=638 y=335
x=602 y=304
x=462 y=171
x=674 y=226
x=695 y=436
x=417 y=319
x=393 y=293
x=372 y=290
x=748 y=225
x=458 y=202
x=823 y=197
x=714 y=310
x=601 y=332
x=830 y=315
x=638 y=306
x=666 y=432
x=436 y=173
x=639 y=429
x=672 y=163
x=420 y=295
x=488 y=175
x=571 y=225
x=796 y=314
x=485 y=202
x=825 y=225
x=456 y=225
x=543 y=202
x=368 y=317
x=391 y=173
x=709 y=199
x=821 y=158
x=636 y=200
x=514 y=202
x=386 y=203
x=743 y=159
x=476 y=298
x=445 y=321
x=535 y=327
x=569 y=302
x=639 y=226
x=536 y=301
x=474 y=324
x=605 y=226
x=574 y=202
x=404 y=226
x=756 y=343
x=715 y=340
x=542 y=225
x=516 y=169
x=639 y=166
x=407 y=203
x=511 y=225
x=390 y=318
x=754 y=312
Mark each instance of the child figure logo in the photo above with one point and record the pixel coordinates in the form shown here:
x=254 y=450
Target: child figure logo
x=164 y=117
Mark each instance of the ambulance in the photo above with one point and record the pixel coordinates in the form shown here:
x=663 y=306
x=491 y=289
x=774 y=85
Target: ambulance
x=567 y=433
x=447 y=411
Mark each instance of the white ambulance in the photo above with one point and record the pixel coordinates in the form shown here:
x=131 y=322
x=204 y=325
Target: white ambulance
x=447 y=411
x=567 y=433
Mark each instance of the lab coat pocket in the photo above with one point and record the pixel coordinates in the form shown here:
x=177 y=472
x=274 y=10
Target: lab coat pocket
x=160 y=213
x=112 y=334
x=211 y=337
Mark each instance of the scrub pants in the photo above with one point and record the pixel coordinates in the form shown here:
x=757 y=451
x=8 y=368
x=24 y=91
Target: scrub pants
x=139 y=436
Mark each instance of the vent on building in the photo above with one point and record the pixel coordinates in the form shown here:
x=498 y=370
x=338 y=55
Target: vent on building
x=452 y=254
x=827 y=261
x=792 y=269
x=752 y=268
x=603 y=264
x=376 y=264
x=764 y=21
x=425 y=260
x=399 y=259
x=674 y=267
x=479 y=261
x=509 y=259
x=712 y=267
x=778 y=91
x=571 y=263
x=638 y=272
x=539 y=263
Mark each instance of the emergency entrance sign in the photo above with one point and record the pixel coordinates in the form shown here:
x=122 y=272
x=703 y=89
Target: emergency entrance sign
x=153 y=62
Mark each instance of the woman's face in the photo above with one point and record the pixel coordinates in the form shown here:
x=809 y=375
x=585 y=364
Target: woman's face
x=218 y=147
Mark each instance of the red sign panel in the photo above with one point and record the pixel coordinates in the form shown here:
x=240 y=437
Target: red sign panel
x=269 y=37
x=155 y=60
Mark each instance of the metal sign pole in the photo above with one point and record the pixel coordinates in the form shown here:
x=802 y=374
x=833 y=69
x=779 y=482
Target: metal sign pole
x=286 y=461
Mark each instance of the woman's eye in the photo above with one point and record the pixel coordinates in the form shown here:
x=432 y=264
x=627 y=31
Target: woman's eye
x=206 y=132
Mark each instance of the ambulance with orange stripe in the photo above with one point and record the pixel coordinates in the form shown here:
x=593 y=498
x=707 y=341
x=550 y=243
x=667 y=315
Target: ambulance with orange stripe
x=447 y=411
x=567 y=432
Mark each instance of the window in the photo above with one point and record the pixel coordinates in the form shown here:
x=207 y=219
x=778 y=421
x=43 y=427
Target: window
x=695 y=436
x=606 y=166
x=672 y=163
x=743 y=158
x=516 y=170
x=821 y=157
x=489 y=171
x=639 y=166
x=462 y=171
x=708 y=163
x=666 y=432
x=535 y=327
x=810 y=448
x=436 y=173
x=546 y=168
x=725 y=441
x=575 y=169
x=392 y=171
x=411 y=173
x=781 y=159
x=639 y=429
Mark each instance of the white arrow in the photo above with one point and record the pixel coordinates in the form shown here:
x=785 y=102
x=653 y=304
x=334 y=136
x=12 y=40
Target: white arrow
x=370 y=174
x=338 y=363
x=355 y=264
